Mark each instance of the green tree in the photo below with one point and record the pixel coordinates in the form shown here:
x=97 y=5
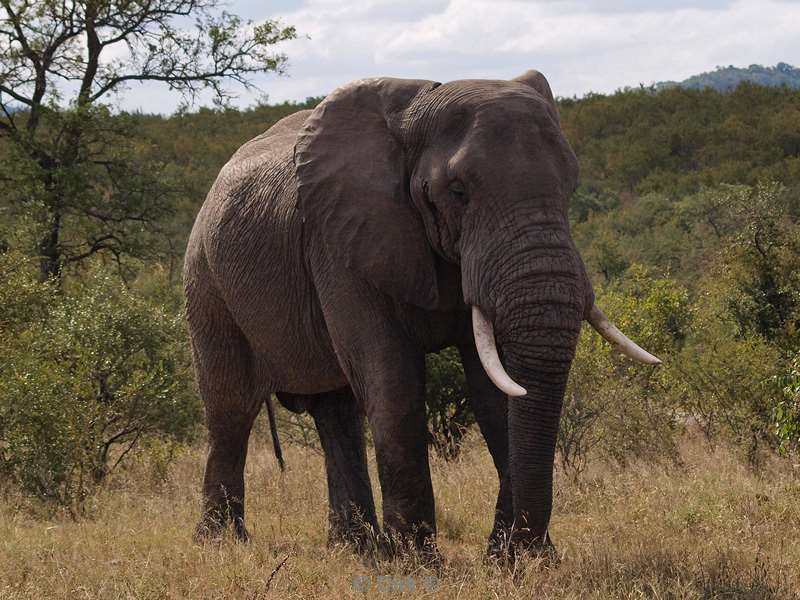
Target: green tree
x=763 y=262
x=727 y=385
x=66 y=160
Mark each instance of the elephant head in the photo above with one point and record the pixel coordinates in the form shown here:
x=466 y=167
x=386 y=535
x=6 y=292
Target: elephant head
x=479 y=173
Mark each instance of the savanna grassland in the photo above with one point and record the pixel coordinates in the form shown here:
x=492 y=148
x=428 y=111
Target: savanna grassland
x=706 y=528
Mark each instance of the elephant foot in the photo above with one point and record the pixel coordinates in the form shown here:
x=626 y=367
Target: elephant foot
x=362 y=537
x=507 y=550
x=417 y=547
x=214 y=527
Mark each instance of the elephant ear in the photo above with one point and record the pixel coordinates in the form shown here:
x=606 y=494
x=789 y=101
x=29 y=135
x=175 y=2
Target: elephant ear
x=537 y=81
x=353 y=187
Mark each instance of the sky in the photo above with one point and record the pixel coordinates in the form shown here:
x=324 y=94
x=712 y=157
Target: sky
x=581 y=46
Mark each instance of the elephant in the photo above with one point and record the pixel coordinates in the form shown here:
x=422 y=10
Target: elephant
x=336 y=249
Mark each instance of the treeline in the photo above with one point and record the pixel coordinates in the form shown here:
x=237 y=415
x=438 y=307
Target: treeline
x=687 y=216
x=674 y=142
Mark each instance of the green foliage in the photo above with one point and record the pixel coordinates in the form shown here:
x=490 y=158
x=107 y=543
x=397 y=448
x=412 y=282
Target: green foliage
x=787 y=411
x=613 y=407
x=87 y=374
x=113 y=198
x=23 y=299
x=763 y=263
x=677 y=141
x=725 y=386
x=447 y=401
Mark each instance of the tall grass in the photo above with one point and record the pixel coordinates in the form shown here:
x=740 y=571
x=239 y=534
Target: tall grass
x=708 y=529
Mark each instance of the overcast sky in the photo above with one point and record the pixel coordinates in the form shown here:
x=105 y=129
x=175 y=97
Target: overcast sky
x=580 y=45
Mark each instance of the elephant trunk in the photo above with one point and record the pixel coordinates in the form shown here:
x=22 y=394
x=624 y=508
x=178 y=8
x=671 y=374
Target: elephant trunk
x=534 y=304
x=533 y=422
x=538 y=345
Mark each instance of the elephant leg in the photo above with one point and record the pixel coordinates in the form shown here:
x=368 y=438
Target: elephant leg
x=386 y=371
x=396 y=414
x=490 y=406
x=223 y=364
x=351 y=508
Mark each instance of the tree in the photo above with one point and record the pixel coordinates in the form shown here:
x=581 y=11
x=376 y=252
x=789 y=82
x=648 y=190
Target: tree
x=69 y=159
x=758 y=259
x=613 y=408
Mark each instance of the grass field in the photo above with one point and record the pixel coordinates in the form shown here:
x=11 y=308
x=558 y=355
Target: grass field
x=709 y=529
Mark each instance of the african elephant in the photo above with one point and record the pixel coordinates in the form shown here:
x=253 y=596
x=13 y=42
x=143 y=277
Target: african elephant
x=334 y=250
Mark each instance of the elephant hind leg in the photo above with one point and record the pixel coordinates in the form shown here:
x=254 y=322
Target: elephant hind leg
x=340 y=424
x=224 y=367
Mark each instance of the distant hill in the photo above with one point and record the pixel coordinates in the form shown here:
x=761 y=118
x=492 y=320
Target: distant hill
x=727 y=78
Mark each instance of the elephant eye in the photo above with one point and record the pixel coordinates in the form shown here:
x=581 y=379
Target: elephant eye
x=457 y=192
x=426 y=190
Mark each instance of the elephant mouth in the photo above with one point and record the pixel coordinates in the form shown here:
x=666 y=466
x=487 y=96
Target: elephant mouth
x=483 y=331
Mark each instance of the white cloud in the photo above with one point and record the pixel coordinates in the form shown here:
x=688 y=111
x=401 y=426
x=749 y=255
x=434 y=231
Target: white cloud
x=580 y=45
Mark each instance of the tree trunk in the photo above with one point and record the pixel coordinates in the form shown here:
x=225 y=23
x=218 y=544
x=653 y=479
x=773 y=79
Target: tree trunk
x=50 y=252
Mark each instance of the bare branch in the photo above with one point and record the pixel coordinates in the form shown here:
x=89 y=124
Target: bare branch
x=18 y=97
x=80 y=154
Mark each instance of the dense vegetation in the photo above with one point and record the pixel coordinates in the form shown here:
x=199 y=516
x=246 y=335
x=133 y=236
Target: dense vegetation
x=688 y=217
x=724 y=79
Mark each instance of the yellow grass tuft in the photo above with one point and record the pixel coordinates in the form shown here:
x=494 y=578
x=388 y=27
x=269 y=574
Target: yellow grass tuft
x=710 y=529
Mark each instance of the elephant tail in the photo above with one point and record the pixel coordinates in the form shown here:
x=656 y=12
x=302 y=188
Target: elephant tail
x=273 y=429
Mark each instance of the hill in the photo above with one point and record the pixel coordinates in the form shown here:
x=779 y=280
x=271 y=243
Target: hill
x=727 y=78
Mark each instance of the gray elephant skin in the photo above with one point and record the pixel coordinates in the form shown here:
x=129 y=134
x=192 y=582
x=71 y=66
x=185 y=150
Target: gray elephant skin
x=333 y=251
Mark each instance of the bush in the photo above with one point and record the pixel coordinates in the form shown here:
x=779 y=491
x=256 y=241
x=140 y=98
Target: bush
x=727 y=386
x=726 y=377
x=616 y=408
x=447 y=400
x=787 y=411
x=87 y=374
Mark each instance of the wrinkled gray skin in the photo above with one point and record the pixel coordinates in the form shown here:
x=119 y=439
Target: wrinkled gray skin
x=340 y=246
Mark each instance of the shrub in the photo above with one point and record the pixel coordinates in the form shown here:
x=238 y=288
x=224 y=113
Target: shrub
x=614 y=407
x=447 y=400
x=87 y=374
x=727 y=385
x=787 y=411
x=725 y=378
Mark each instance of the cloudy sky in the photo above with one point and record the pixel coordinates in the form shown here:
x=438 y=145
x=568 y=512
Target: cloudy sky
x=580 y=45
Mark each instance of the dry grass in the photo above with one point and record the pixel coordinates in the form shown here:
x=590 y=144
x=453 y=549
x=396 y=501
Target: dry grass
x=708 y=530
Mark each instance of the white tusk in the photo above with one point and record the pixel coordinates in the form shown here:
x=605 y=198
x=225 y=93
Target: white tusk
x=618 y=339
x=487 y=351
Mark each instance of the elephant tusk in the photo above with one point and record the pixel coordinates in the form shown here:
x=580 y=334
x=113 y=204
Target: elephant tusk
x=487 y=351
x=618 y=339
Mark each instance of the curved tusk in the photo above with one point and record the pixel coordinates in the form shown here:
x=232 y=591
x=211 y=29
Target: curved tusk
x=487 y=351
x=618 y=339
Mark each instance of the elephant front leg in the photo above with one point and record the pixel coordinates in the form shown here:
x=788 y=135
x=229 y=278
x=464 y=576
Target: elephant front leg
x=490 y=406
x=351 y=508
x=386 y=371
x=396 y=414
